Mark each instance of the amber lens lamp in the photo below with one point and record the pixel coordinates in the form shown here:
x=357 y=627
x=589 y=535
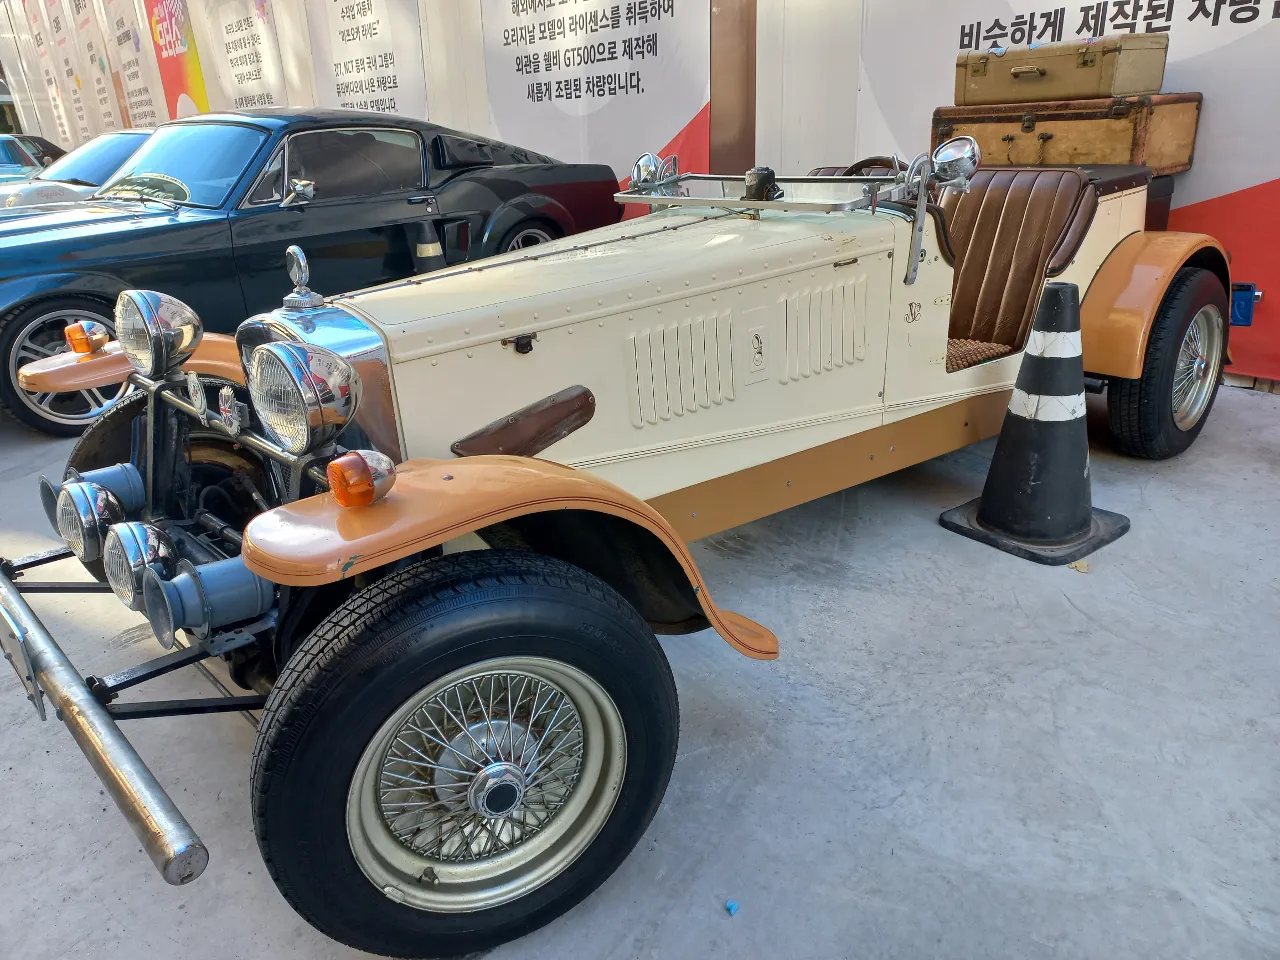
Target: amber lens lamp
x=359 y=478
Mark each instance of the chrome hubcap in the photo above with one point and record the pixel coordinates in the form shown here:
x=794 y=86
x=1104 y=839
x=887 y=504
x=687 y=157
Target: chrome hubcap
x=486 y=785
x=1196 y=372
x=43 y=337
x=529 y=237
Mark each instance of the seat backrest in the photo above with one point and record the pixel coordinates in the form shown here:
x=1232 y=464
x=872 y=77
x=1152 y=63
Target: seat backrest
x=1012 y=229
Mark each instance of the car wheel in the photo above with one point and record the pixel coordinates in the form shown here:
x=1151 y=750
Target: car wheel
x=461 y=752
x=528 y=234
x=1160 y=414
x=33 y=333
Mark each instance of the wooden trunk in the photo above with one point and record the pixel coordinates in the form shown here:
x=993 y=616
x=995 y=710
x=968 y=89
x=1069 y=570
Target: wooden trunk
x=1115 y=66
x=1158 y=131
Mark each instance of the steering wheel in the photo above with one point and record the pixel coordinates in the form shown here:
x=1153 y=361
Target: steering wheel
x=864 y=168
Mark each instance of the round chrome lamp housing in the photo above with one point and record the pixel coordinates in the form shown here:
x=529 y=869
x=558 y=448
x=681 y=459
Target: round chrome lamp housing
x=157 y=332
x=86 y=512
x=957 y=159
x=131 y=550
x=303 y=394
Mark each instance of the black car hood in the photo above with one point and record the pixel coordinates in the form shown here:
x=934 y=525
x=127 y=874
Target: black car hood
x=93 y=214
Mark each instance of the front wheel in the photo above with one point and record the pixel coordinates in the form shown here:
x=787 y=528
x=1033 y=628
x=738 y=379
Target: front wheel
x=34 y=333
x=1161 y=413
x=462 y=752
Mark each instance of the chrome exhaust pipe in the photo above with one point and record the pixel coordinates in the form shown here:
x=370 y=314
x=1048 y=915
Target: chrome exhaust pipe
x=168 y=839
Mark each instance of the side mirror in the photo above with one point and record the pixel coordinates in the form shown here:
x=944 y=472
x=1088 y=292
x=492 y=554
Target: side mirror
x=956 y=161
x=300 y=192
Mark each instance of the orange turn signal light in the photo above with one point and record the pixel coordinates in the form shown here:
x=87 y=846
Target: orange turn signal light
x=360 y=477
x=86 y=336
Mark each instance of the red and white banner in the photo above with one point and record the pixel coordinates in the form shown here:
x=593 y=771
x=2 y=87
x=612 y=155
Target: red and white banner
x=601 y=81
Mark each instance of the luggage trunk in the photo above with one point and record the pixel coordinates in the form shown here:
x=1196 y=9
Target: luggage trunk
x=1157 y=131
x=1115 y=66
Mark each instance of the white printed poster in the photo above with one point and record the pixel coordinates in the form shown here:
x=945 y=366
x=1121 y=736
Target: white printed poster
x=48 y=71
x=134 y=58
x=597 y=80
x=93 y=56
x=368 y=55
x=248 y=54
x=66 y=61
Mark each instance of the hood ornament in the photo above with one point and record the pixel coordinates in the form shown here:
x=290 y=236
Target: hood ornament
x=301 y=298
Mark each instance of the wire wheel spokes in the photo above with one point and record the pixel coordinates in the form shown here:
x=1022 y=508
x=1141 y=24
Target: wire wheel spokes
x=1196 y=370
x=481 y=766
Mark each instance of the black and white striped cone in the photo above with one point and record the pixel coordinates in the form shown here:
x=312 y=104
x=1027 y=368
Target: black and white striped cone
x=1037 y=503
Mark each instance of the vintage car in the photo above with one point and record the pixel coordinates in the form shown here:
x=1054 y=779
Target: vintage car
x=73 y=176
x=205 y=209
x=44 y=151
x=435 y=526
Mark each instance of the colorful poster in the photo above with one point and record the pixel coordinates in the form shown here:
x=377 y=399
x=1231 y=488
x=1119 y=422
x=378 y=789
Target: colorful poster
x=179 y=60
x=93 y=56
x=600 y=80
x=248 y=57
x=368 y=55
x=66 y=60
x=143 y=96
x=47 y=74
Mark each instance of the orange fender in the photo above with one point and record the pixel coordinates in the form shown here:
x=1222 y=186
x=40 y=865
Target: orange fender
x=68 y=372
x=1121 y=305
x=315 y=541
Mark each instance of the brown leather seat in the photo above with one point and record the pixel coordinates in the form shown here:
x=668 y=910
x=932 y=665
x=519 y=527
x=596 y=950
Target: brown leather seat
x=1014 y=228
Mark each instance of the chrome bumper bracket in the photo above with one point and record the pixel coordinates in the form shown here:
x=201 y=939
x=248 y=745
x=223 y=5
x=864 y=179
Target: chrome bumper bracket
x=170 y=842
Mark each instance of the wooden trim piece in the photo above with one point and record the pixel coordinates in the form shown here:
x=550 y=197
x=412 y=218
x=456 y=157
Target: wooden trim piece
x=1121 y=305
x=733 y=85
x=314 y=541
x=725 y=502
x=531 y=429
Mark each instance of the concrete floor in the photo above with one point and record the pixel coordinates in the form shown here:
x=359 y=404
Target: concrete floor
x=960 y=754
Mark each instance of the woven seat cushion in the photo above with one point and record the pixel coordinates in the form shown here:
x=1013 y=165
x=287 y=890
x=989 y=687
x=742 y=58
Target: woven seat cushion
x=967 y=353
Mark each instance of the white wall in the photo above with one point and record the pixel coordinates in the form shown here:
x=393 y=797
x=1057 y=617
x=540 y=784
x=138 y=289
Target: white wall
x=453 y=48
x=807 y=55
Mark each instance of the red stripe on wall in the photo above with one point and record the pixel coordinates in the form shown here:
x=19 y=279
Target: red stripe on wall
x=692 y=145
x=1244 y=222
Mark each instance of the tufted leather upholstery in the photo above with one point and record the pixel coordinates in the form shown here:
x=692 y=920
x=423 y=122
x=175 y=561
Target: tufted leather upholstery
x=1015 y=227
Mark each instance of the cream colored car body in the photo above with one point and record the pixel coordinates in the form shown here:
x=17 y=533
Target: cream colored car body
x=713 y=342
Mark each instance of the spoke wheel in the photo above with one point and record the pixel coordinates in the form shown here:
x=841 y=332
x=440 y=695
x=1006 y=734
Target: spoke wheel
x=1199 y=364
x=37 y=333
x=489 y=783
x=526 y=236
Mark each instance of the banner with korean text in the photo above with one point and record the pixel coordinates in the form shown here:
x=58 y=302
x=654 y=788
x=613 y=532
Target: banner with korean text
x=133 y=55
x=66 y=59
x=48 y=71
x=248 y=54
x=92 y=48
x=368 y=55
x=169 y=22
x=601 y=80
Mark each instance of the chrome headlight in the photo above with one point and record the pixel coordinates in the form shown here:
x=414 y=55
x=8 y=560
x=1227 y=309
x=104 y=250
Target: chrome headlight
x=131 y=549
x=303 y=394
x=85 y=512
x=157 y=332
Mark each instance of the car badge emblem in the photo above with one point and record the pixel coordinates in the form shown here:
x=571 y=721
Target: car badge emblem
x=196 y=394
x=229 y=410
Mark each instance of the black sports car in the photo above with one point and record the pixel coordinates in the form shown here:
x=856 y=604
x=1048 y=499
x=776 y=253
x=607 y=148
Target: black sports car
x=206 y=208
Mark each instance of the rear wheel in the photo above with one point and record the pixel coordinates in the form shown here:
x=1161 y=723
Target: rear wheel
x=462 y=752
x=34 y=333
x=1160 y=414
x=531 y=233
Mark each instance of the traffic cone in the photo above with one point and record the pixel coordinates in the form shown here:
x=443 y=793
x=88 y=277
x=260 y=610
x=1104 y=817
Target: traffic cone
x=1036 y=503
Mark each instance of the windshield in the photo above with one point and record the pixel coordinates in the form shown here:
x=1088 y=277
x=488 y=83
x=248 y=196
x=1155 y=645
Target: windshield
x=93 y=163
x=11 y=152
x=188 y=163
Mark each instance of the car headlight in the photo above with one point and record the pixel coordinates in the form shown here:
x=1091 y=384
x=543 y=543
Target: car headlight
x=85 y=512
x=157 y=332
x=132 y=549
x=303 y=394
